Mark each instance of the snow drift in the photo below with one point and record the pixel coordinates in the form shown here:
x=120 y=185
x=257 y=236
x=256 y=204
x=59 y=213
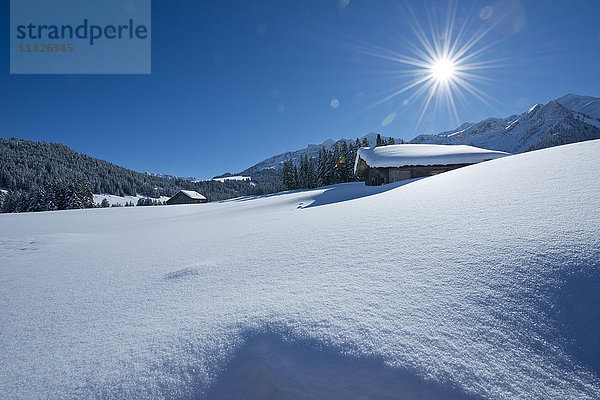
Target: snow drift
x=479 y=282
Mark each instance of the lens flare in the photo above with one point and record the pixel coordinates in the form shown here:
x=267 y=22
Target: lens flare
x=442 y=70
x=443 y=63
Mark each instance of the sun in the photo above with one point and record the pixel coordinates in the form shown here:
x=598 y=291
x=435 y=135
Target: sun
x=441 y=65
x=442 y=70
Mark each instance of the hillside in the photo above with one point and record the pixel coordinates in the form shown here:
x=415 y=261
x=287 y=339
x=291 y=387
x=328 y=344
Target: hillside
x=27 y=165
x=312 y=150
x=479 y=282
x=568 y=119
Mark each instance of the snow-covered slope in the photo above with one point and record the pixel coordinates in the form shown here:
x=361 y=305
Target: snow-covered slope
x=568 y=119
x=481 y=281
x=584 y=104
x=122 y=200
x=232 y=178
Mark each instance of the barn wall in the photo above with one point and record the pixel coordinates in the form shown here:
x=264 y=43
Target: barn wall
x=377 y=176
x=380 y=176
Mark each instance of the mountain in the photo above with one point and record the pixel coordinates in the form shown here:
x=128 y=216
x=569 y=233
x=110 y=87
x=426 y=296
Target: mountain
x=584 y=104
x=568 y=119
x=28 y=165
x=312 y=150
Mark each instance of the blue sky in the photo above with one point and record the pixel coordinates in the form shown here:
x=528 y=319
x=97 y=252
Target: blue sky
x=234 y=82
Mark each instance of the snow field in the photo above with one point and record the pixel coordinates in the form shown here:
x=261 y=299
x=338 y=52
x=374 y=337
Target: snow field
x=475 y=282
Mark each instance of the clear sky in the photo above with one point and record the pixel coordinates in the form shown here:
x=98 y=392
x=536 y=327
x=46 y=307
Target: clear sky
x=234 y=82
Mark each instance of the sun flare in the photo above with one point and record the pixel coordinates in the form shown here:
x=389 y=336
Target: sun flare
x=442 y=70
x=442 y=64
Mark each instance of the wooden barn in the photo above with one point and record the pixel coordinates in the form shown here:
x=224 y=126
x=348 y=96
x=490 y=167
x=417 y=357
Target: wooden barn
x=386 y=164
x=187 y=197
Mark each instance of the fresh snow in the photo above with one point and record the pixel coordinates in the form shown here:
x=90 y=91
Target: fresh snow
x=513 y=123
x=401 y=155
x=534 y=108
x=233 y=178
x=587 y=105
x=192 y=194
x=479 y=282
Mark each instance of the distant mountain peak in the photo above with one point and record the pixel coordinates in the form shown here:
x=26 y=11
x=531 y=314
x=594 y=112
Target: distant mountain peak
x=570 y=118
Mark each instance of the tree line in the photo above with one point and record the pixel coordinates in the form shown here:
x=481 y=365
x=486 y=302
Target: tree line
x=55 y=196
x=30 y=167
x=335 y=165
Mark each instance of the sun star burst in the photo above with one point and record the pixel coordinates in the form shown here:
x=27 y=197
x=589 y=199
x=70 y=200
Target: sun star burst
x=442 y=70
x=442 y=63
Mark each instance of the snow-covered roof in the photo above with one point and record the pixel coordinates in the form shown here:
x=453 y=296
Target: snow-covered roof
x=192 y=194
x=400 y=155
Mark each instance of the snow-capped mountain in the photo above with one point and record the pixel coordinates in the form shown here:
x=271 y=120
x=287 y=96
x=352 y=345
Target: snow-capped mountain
x=312 y=150
x=584 y=104
x=568 y=119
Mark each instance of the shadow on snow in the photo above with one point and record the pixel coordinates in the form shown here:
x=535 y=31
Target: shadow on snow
x=268 y=367
x=338 y=193
x=350 y=191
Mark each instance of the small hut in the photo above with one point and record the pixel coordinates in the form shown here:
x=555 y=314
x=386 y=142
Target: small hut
x=386 y=164
x=187 y=197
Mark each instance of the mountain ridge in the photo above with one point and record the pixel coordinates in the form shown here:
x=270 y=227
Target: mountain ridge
x=567 y=119
x=570 y=118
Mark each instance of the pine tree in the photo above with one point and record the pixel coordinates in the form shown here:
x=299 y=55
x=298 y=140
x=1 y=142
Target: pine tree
x=295 y=174
x=37 y=200
x=288 y=175
x=337 y=155
x=342 y=163
x=312 y=173
x=86 y=194
x=22 y=202
x=322 y=167
x=380 y=141
x=365 y=142
x=303 y=172
x=104 y=203
x=391 y=141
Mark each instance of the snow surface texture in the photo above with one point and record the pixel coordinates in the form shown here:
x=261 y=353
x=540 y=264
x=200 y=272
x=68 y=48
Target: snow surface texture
x=402 y=155
x=479 y=282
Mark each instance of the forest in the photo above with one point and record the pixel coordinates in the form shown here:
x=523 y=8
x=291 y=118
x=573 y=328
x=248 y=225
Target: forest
x=33 y=170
